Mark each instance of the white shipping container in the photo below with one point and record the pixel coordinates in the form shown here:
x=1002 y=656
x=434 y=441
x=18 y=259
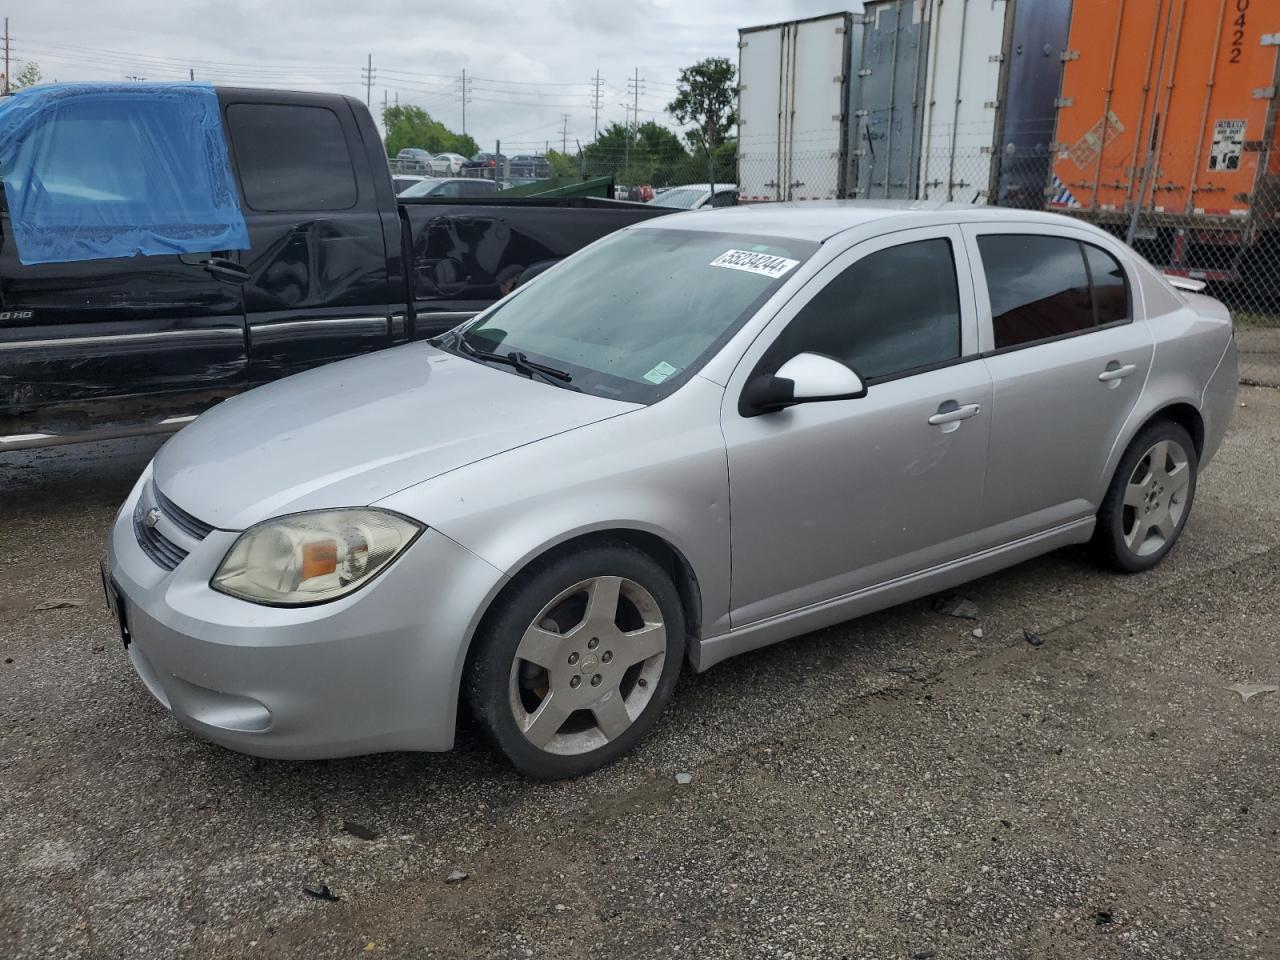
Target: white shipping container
x=793 y=109
x=962 y=94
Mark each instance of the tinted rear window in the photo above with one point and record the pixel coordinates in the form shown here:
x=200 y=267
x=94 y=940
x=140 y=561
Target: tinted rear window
x=1039 y=288
x=291 y=157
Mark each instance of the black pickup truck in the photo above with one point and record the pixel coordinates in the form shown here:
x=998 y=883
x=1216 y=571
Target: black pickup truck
x=336 y=267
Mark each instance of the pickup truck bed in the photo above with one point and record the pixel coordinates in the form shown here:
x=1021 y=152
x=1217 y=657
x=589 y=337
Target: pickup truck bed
x=336 y=267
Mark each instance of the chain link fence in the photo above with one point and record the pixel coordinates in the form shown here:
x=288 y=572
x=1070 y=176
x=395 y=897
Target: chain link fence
x=1222 y=227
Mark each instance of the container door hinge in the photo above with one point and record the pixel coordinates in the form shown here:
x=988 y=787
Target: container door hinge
x=1271 y=39
x=1068 y=55
x=1061 y=102
x=991 y=104
x=996 y=58
x=862 y=19
x=1264 y=93
x=861 y=113
x=864 y=72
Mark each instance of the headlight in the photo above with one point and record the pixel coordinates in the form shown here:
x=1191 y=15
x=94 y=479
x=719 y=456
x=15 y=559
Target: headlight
x=312 y=557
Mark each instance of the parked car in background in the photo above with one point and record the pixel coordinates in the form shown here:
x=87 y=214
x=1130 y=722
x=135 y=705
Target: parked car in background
x=529 y=166
x=697 y=195
x=334 y=266
x=541 y=516
x=413 y=160
x=447 y=164
x=450 y=187
x=402 y=182
x=491 y=165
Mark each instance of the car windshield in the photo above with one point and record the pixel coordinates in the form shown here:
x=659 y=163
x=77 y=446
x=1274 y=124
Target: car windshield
x=637 y=314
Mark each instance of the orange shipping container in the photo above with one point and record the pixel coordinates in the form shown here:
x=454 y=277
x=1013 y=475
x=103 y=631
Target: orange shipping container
x=1169 y=106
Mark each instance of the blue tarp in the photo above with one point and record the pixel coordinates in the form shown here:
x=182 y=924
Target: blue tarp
x=95 y=170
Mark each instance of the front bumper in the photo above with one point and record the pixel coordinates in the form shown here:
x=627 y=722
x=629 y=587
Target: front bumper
x=374 y=671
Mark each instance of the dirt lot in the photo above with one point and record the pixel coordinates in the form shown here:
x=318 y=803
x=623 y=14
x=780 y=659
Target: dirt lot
x=893 y=787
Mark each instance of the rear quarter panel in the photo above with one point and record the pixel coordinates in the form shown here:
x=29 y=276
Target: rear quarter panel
x=1194 y=350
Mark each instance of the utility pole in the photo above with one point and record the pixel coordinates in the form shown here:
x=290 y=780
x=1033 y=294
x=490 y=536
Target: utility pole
x=368 y=82
x=595 y=98
x=564 y=133
x=465 y=97
x=6 y=54
x=634 y=87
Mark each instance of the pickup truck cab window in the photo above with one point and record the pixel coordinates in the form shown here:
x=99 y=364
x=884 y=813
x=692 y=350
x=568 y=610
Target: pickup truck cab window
x=291 y=157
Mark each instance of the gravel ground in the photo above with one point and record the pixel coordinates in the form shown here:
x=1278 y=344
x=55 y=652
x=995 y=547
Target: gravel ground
x=890 y=787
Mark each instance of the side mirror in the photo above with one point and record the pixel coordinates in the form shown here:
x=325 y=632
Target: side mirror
x=805 y=378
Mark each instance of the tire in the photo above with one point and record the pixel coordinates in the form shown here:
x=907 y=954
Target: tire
x=1147 y=504
x=559 y=686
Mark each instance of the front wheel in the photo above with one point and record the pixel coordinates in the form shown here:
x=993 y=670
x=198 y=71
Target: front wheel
x=574 y=665
x=1149 y=499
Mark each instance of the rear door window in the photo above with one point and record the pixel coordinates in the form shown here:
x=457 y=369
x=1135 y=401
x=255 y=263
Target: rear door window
x=1044 y=287
x=291 y=158
x=1110 y=289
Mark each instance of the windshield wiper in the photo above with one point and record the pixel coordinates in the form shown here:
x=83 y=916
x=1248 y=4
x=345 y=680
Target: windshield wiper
x=521 y=363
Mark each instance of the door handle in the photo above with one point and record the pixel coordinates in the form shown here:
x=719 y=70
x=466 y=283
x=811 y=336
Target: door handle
x=225 y=269
x=955 y=414
x=1115 y=371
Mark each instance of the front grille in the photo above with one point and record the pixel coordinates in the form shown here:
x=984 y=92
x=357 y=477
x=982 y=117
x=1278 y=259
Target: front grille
x=159 y=548
x=181 y=519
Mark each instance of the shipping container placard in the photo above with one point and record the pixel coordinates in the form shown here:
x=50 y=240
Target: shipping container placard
x=1228 y=144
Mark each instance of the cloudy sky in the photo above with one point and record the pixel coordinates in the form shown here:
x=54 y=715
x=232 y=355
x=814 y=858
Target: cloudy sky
x=531 y=62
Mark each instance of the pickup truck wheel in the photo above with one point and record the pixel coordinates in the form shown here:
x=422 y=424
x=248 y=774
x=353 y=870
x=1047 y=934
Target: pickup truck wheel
x=1149 y=499
x=574 y=666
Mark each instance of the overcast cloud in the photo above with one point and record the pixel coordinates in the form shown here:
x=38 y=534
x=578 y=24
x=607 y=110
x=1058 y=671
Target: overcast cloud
x=532 y=61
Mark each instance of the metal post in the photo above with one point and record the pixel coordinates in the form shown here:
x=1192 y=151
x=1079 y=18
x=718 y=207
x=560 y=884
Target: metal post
x=564 y=134
x=368 y=82
x=464 y=102
x=6 y=55
x=191 y=72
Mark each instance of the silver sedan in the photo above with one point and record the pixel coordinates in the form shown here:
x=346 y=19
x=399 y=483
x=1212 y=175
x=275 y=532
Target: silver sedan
x=700 y=435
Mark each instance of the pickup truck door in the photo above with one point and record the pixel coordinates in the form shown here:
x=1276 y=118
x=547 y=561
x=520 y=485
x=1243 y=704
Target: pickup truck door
x=122 y=340
x=318 y=289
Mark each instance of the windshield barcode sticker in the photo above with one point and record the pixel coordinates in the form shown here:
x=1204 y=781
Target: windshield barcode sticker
x=765 y=264
x=661 y=372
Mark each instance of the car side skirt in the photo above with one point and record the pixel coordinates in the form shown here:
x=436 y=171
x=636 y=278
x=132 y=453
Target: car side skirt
x=871 y=599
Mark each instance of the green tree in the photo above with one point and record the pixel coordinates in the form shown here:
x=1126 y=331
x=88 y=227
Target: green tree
x=649 y=153
x=562 y=165
x=410 y=126
x=706 y=95
x=28 y=76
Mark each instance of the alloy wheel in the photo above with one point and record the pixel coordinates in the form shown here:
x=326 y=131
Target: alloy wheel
x=588 y=665
x=1155 y=499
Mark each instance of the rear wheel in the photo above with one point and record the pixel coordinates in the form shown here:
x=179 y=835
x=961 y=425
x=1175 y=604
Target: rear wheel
x=577 y=661
x=1149 y=499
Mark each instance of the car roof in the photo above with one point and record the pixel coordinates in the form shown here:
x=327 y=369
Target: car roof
x=819 y=220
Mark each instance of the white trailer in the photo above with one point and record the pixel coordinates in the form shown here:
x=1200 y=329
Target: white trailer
x=793 y=122
x=990 y=96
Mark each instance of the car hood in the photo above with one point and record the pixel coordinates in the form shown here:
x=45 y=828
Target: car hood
x=353 y=432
